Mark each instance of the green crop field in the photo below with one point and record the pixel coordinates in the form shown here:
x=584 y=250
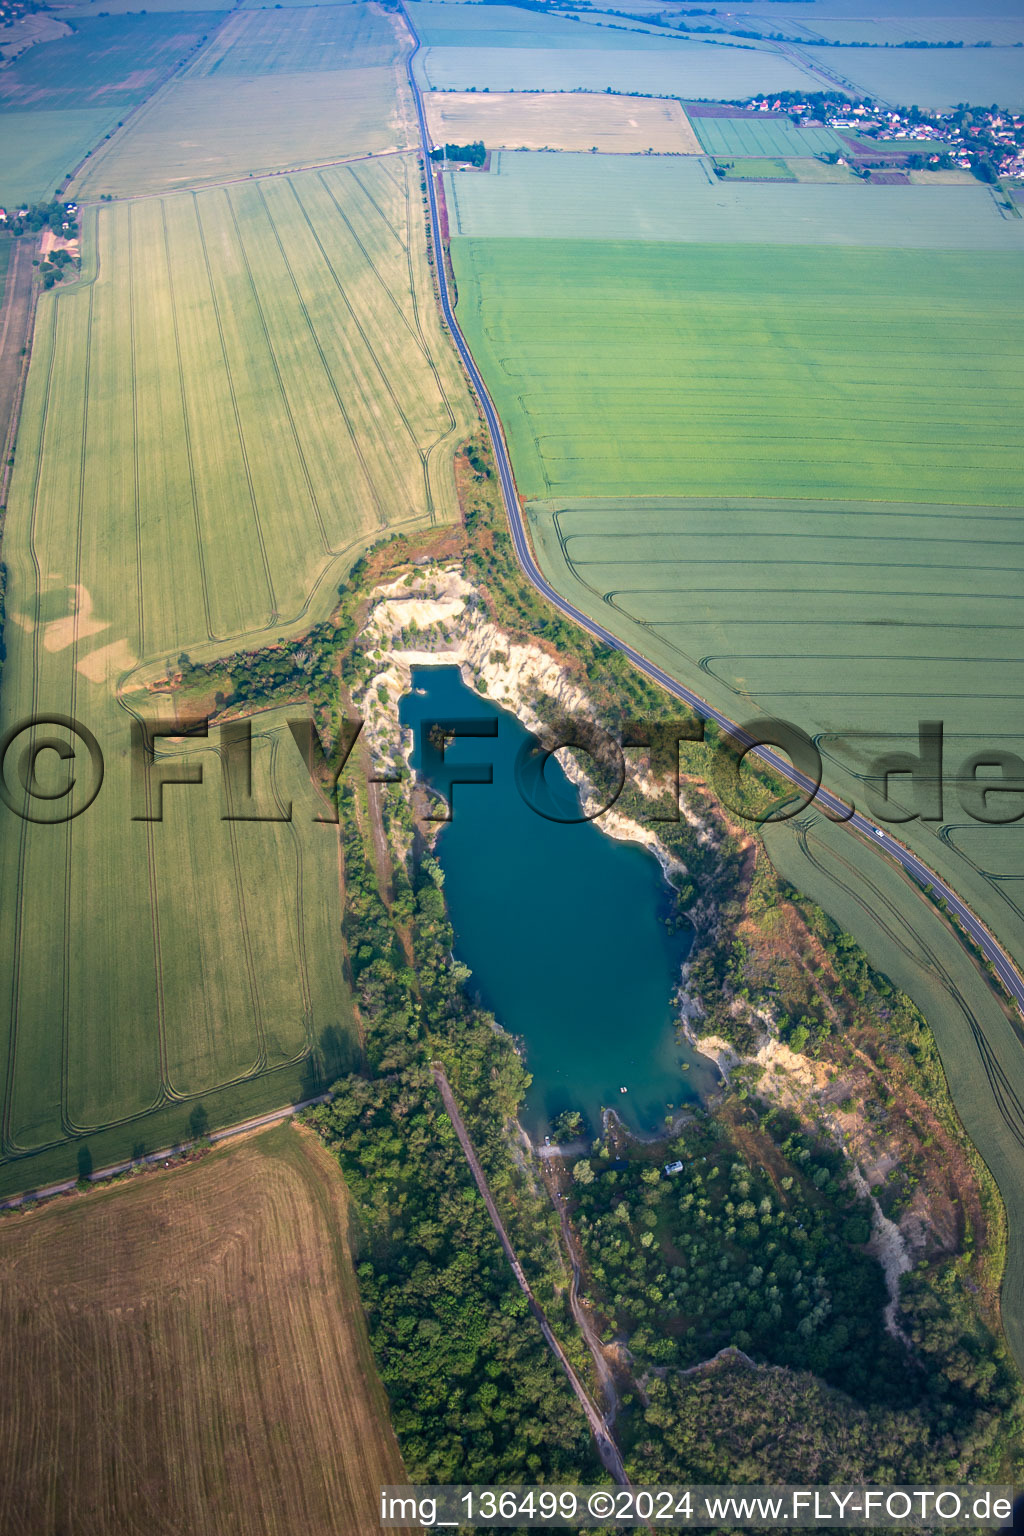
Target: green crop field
x=624 y=368
x=981 y=1048
x=892 y=31
x=320 y=38
x=202 y=1328
x=195 y=132
x=689 y=70
x=818 y=171
x=40 y=148
x=775 y=137
x=442 y=25
x=249 y=386
x=934 y=78
x=756 y=170
x=110 y=63
x=593 y=197
x=99 y=8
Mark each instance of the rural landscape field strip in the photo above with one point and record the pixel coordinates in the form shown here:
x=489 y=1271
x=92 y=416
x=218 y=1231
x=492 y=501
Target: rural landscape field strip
x=768 y=136
x=209 y=1319
x=678 y=199
x=914 y=395
x=966 y=1078
x=688 y=71
x=263 y=42
x=906 y=939
x=576 y=121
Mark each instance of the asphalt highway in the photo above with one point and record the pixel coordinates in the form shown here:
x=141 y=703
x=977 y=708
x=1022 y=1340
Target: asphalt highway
x=1008 y=973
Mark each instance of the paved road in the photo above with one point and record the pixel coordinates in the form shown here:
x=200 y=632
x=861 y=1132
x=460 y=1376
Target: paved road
x=255 y=1124
x=607 y=1449
x=836 y=809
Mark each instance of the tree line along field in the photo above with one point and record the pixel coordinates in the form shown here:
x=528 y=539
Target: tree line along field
x=270 y=91
x=677 y=198
x=319 y=38
x=188 y=1352
x=249 y=387
x=506 y=26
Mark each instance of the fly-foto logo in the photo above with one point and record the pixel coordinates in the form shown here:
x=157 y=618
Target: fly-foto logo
x=52 y=769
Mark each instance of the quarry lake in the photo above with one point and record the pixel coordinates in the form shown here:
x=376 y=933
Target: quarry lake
x=562 y=926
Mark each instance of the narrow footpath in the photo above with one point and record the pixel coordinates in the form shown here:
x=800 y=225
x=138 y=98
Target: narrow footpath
x=605 y=1441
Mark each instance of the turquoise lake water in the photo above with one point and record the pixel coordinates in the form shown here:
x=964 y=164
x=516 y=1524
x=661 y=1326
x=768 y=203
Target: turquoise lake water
x=562 y=926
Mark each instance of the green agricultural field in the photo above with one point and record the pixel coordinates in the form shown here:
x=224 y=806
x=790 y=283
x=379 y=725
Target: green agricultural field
x=981 y=1047
x=202 y=1327
x=320 y=38
x=892 y=31
x=40 y=148
x=934 y=78
x=624 y=368
x=593 y=197
x=195 y=132
x=249 y=386
x=441 y=25
x=774 y=137
x=689 y=70
x=817 y=171
x=109 y=63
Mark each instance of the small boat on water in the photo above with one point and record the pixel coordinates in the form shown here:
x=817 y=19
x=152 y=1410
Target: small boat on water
x=623 y=1090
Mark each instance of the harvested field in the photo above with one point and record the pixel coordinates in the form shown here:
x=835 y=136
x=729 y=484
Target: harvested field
x=612 y=124
x=110 y=62
x=187 y=1352
x=588 y=197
